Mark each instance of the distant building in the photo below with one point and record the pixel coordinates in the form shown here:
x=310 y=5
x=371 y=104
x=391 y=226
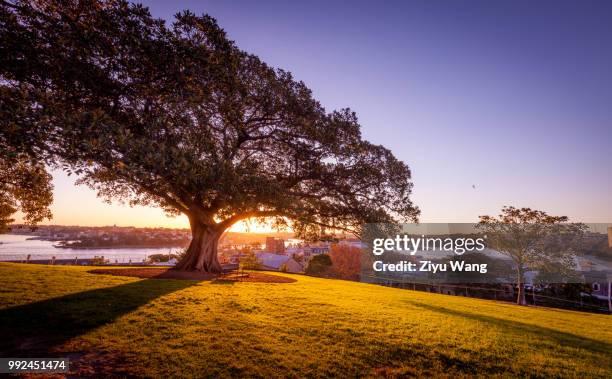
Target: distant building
x=275 y=245
x=277 y=262
x=312 y=250
x=598 y=280
x=352 y=243
x=294 y=250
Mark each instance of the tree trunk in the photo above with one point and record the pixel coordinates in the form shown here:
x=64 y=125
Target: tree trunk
x=520 y=299
x=201 y=254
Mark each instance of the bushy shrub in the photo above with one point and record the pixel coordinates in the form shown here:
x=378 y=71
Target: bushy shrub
x=319 y=265
x=250 y=261
x=98 y=260
x=155 y=258
x=346 y=261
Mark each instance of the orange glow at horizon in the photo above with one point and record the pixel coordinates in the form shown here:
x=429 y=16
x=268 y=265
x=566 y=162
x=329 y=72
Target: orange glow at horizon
x=78 y=205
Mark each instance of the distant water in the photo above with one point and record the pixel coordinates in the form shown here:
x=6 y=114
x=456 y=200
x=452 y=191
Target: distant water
x=17 y=247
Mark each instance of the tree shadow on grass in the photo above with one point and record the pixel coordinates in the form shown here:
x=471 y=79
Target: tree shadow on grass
x=561 y=338
x=35 y=329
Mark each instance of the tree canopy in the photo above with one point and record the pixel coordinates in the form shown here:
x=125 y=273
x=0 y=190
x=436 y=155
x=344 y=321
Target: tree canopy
x=179 y=117
x=25 y=185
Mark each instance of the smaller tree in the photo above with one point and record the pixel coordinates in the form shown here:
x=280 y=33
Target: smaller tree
x=319 y=265
x=533 y=240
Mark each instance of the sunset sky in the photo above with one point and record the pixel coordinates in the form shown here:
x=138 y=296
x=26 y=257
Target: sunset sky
x=513 y=98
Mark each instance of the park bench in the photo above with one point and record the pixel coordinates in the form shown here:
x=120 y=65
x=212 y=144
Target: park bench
x=232 y=271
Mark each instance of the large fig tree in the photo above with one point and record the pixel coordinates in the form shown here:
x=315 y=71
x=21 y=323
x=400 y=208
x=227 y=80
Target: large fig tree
x=177 y=116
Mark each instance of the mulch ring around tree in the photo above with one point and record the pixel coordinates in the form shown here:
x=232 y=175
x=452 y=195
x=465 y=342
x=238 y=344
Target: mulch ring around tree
x=164 y=273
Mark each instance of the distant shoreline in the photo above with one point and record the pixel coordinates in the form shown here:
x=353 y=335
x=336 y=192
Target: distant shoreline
x=116 y=247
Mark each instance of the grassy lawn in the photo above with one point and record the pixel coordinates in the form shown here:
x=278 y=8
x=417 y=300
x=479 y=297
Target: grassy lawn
x=313 y=327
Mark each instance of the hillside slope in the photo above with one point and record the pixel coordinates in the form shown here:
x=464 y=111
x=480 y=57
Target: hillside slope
x=313 y=327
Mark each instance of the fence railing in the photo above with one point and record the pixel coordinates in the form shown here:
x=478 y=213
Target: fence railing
x=532 y=297
x=76 y=259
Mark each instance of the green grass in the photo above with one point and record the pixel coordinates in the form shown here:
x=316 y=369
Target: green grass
x=313 y=327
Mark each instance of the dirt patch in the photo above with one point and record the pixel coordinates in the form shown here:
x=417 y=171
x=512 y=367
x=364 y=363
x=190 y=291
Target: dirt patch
x=164 y=273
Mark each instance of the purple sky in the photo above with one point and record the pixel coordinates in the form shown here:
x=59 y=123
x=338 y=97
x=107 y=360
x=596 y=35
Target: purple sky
x=513 y=97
